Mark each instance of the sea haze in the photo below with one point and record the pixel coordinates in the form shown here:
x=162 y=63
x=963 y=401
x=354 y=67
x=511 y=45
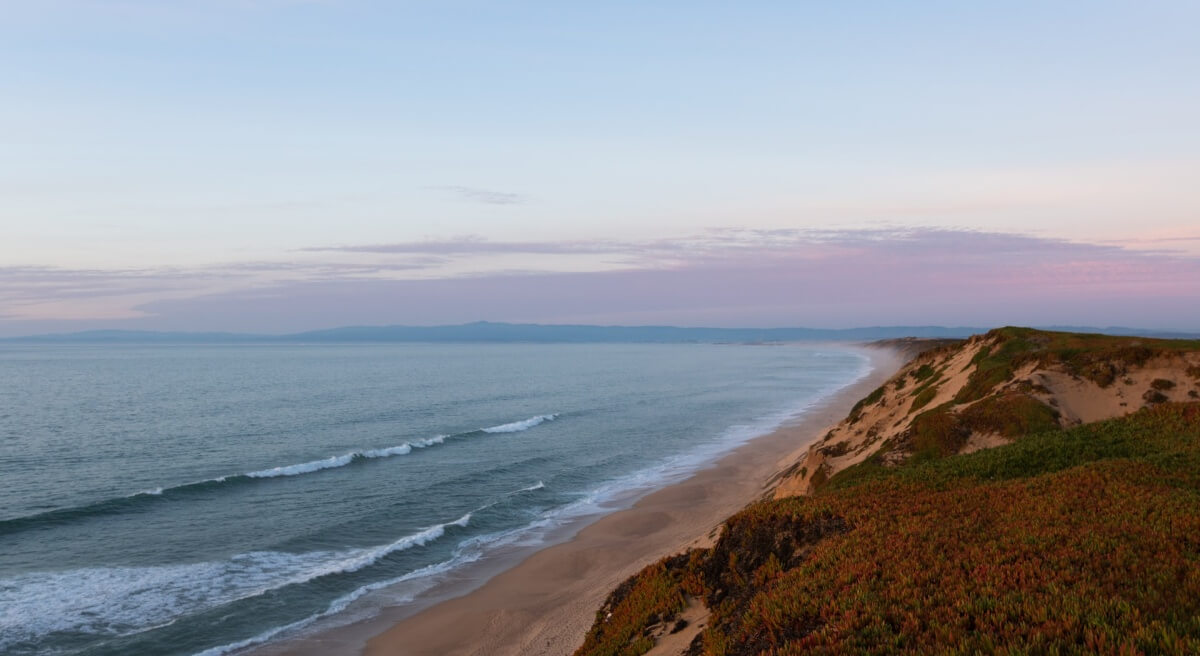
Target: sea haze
x=195 y=499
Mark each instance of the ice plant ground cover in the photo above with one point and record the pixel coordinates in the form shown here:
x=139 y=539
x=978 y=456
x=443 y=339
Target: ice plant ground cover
x=1084 y=540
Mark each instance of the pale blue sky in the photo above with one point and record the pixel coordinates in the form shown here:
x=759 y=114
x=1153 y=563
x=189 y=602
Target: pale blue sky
x=184 y=143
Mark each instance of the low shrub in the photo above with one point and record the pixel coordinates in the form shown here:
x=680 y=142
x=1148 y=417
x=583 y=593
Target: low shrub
x=923 y=398
x=870 y=399
x=1011 y=415
x=923 y=372
x=938 y=433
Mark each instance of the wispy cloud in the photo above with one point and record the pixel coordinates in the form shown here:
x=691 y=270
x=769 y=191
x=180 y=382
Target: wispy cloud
x=476 y=195
x=42 y=292
x=477 y=245
x=722 y=276
x=1174 y=239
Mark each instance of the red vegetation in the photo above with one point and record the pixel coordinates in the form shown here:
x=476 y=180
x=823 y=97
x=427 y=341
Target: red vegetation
x=1073 y=541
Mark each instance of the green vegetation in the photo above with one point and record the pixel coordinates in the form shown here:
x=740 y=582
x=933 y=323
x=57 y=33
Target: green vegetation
x=941 y=432
x=927 y=390
x=1149 y=432
x=1064 y=541
x=923 y=372
x=871 y=399
x=1012 y=414
x=993 y=368
x=937 y=433
x=1099 y=358
x=923 y=398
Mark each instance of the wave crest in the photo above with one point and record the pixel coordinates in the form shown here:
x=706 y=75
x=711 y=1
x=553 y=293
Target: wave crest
x=518 y=426
x=346 y=458
x=121 y=504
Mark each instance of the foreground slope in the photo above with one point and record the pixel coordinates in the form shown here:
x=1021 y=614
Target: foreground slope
x=1072 y=537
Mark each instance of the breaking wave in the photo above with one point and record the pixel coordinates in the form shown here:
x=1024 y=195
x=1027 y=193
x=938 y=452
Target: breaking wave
x=346 y=458
x=518 y=426
x=118 y=601
x=125 y=503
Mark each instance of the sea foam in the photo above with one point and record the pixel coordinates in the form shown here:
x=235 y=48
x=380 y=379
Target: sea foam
x=304 y=467
x=518 y=426
x=468 y=551
x=118 y=601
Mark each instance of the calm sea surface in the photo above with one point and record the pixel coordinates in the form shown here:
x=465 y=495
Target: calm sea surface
x=196 y=499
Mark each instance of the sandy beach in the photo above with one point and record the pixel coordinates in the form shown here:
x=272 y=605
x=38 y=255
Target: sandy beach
x=546 y=603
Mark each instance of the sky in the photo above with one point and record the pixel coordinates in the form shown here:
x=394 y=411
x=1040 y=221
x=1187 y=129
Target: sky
x=285 y=165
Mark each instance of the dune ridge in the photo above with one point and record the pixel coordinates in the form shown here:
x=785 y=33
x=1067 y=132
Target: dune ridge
x=983 y=392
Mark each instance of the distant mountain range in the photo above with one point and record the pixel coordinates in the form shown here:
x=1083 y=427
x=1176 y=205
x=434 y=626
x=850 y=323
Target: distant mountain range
x=486 y=331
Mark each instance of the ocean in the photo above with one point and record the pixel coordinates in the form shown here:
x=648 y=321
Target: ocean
x=169 y=499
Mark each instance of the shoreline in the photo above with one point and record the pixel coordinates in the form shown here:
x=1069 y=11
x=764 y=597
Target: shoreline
x=546 y=601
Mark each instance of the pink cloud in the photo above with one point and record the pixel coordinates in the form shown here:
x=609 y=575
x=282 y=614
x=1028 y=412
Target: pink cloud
x=735 y=278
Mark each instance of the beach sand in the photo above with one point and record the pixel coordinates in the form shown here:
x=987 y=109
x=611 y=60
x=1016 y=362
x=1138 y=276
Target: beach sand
x=546 y=603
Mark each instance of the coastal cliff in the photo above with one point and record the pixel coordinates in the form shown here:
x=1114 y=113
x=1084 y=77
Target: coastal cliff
x=1021 y=491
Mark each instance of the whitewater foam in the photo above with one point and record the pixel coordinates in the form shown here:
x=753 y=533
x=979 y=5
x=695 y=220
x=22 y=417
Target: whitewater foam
x=468 y=551
x=342 y=603
x=403 y=449
x=121 y=601
x=346 y=458
x=304 y=467
x=518 y=426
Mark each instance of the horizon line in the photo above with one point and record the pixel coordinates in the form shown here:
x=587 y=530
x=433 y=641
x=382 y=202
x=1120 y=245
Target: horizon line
x=329 y=334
